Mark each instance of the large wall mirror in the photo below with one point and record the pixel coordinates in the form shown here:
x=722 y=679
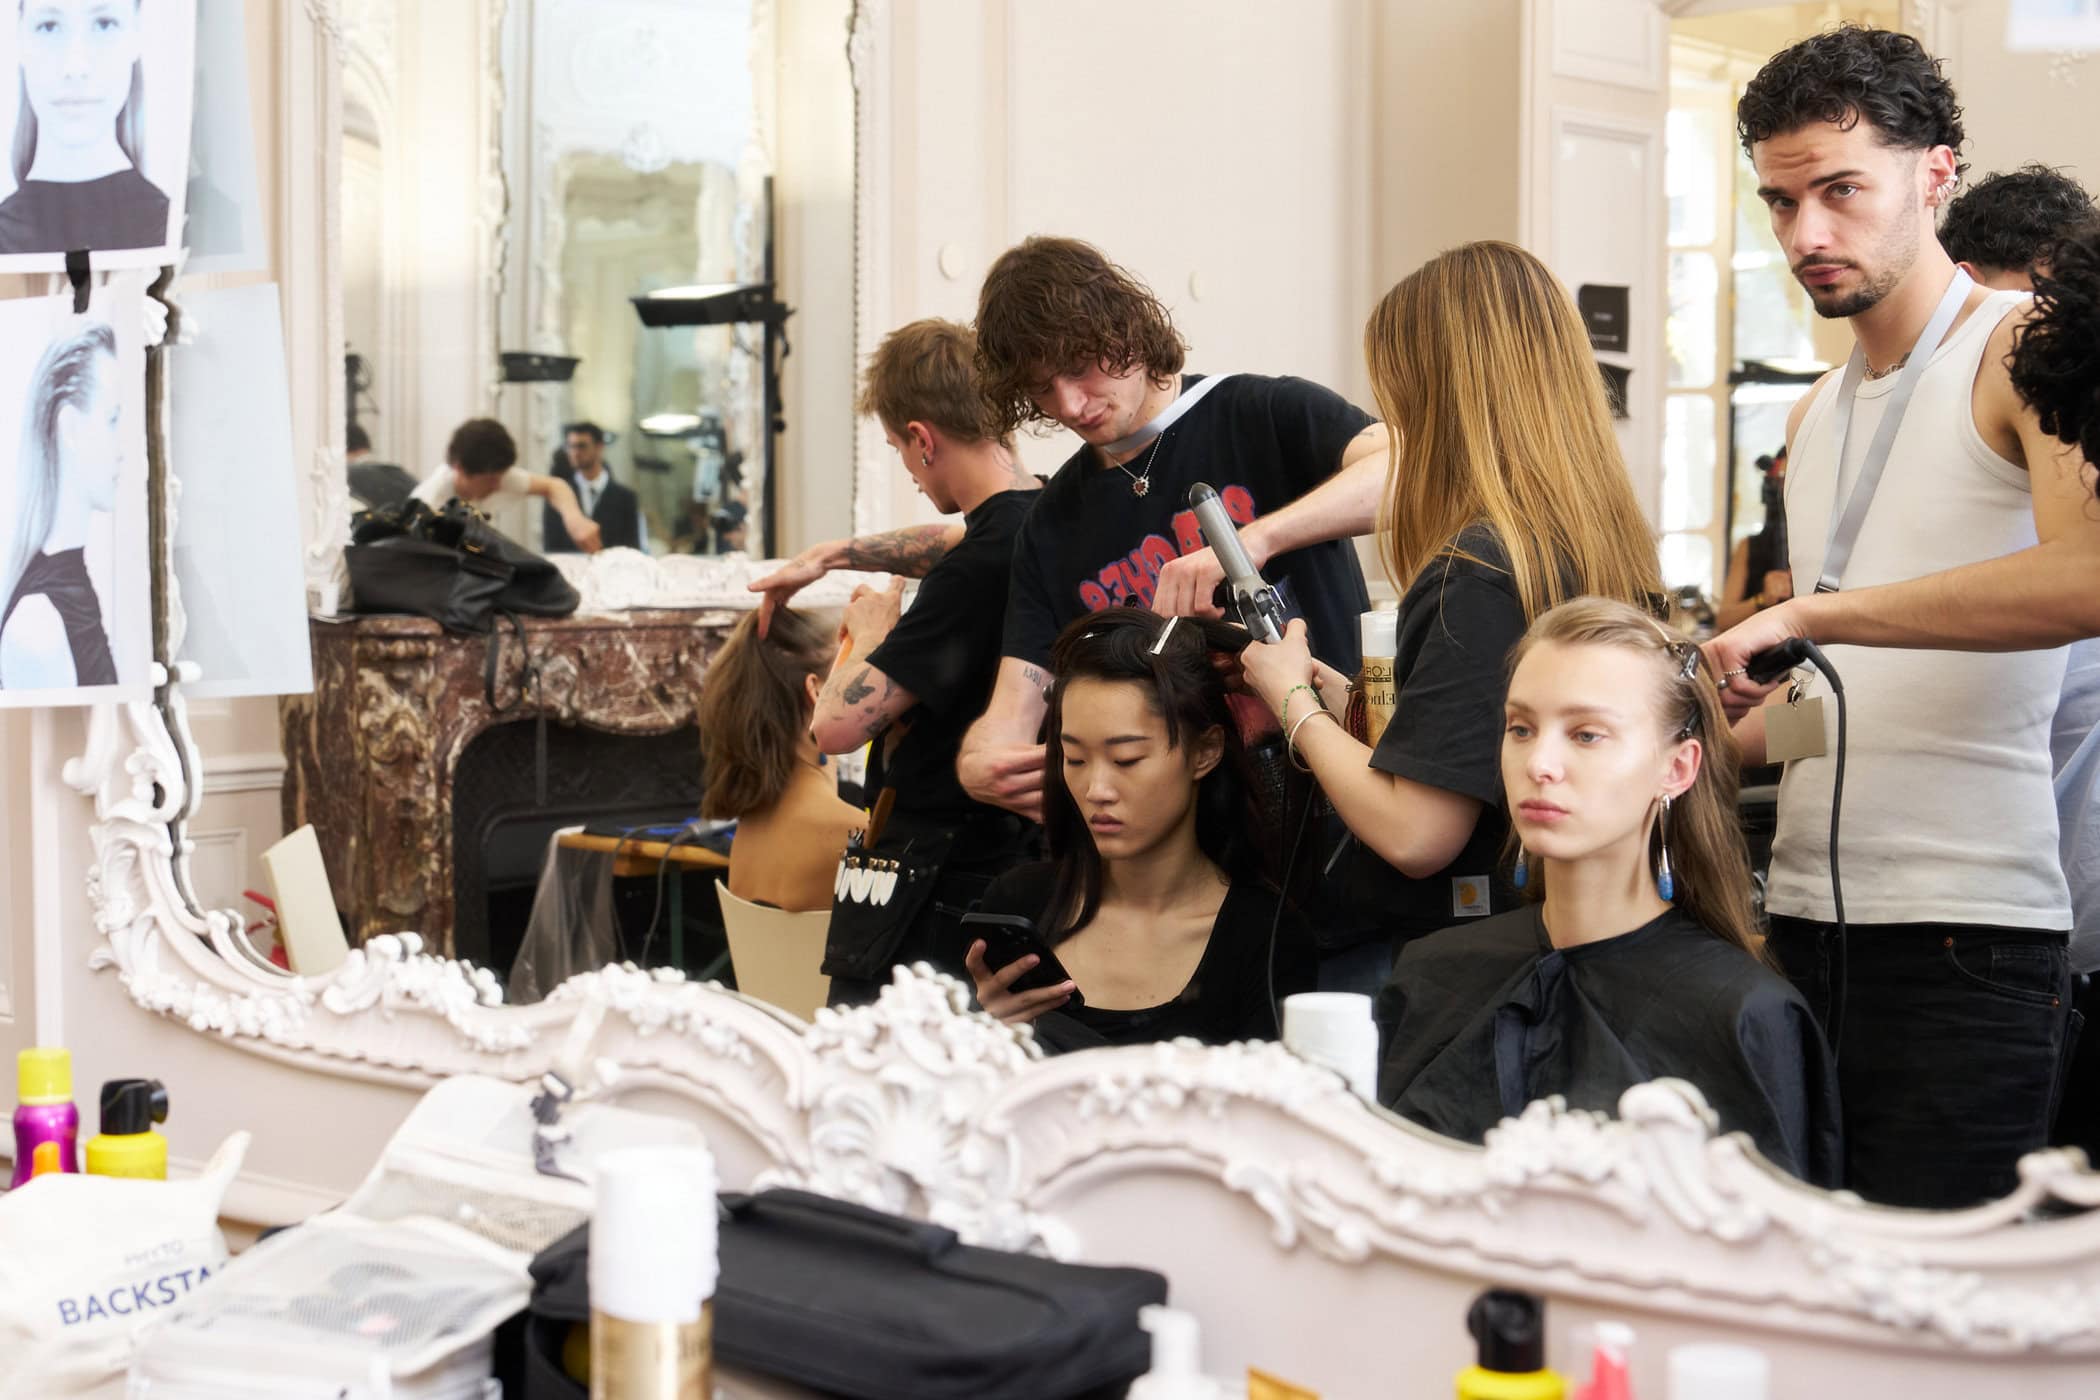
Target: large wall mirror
x=503 y=203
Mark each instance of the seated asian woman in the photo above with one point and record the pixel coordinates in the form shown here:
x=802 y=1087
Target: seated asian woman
x=762 y=767
x=1154 y=898
x=1637 y=957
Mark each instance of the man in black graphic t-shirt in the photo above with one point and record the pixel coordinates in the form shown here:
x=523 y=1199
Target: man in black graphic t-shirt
x=1066 y=336
x=913 y=682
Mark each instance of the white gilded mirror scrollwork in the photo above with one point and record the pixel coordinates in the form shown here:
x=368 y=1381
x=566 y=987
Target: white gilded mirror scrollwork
x=1246 y=1174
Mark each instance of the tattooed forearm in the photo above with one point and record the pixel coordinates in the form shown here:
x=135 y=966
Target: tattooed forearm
x=1037 y=677
x=911 y=551
x=867 y=697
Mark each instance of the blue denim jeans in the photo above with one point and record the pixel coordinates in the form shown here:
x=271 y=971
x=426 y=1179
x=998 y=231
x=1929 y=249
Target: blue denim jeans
x=1952 y=1050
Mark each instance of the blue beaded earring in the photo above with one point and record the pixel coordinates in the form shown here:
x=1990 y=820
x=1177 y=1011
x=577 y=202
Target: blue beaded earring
x=1664 y=884
x=1520 y=875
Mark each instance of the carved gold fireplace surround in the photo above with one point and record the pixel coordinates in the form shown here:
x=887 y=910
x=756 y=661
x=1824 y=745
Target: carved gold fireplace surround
x=372 y=754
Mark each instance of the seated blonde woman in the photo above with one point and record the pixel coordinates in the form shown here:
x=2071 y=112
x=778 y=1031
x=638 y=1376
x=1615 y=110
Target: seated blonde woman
x=763 y=769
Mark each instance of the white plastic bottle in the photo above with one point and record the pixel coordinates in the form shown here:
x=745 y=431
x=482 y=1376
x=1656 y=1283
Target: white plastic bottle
x=652 y=1275
x=1177 y=1366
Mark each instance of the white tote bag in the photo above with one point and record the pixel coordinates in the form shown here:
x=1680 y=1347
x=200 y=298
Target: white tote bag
x=86 y=1262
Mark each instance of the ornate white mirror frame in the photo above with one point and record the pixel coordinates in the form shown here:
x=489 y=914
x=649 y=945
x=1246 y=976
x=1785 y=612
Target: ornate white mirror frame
x=1242 y=1171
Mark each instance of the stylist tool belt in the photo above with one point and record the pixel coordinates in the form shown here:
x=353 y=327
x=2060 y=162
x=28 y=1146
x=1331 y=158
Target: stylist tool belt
x=852 y=1302
x=882 y=891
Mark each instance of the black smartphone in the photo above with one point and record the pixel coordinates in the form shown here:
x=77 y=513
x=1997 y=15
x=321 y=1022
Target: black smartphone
x=1008 y=937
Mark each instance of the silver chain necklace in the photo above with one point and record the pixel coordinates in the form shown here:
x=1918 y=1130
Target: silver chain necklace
x=1141 y=482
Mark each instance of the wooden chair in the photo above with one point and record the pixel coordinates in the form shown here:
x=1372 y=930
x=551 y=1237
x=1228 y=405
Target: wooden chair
x=776 y=954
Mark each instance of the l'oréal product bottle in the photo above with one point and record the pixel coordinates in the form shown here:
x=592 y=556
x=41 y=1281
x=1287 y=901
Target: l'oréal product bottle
x=127 y=1144
x=44 y=1110
x=1381 y=692
x=652 y=1275
x=1509 y=1334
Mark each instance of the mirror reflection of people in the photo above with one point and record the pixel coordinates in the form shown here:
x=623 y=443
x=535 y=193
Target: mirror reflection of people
x=1757 y=566
x=615 y=508
x=481 y=468
x=762 y=768
x=72 y=457
x=1154 y=898
x=80 y=133
x=1639 y=956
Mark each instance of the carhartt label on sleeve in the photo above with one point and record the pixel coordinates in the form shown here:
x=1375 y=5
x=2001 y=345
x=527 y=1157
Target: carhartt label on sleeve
x=1469 y=897
x=1795 y=731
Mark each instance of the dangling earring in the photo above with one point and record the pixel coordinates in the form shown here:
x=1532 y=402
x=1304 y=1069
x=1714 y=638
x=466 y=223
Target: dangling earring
x=1520 y=876
x=1664 y=885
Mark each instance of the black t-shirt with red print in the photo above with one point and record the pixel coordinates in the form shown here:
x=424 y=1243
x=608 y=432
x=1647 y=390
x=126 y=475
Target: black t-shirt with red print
x=1262 y=441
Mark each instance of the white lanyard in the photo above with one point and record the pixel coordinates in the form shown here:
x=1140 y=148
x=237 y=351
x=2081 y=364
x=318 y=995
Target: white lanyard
x=1845 y=523
x=1167 y=418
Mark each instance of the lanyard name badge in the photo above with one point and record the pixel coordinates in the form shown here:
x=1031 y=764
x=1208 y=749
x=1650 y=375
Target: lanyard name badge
x=1796 y=729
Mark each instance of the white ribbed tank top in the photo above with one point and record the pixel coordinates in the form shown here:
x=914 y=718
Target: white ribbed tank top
x=1950 y=814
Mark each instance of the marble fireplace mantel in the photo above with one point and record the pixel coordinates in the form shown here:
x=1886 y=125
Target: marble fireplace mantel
x=372 y=754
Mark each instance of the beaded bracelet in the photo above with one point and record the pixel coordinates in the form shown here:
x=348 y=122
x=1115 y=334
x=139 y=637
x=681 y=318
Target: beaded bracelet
x=1284 y=719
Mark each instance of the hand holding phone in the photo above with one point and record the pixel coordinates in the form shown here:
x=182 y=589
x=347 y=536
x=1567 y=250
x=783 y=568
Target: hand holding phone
x=1018 y=978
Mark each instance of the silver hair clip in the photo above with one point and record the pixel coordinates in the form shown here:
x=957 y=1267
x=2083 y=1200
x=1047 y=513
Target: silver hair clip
x=1164 y=633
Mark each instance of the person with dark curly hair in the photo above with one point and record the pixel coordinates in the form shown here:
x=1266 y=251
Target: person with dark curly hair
x=2006 y=227
x=2056 y=368
x=1066 y=337
x=1953 y=1018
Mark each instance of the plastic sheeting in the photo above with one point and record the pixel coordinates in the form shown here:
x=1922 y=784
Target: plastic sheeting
x=572 y=928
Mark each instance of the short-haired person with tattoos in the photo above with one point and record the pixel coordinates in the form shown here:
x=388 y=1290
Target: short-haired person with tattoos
x=1946 y=994
x=912 y=681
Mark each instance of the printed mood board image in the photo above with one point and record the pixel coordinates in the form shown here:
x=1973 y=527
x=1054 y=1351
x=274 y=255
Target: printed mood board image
x=95 y=136
x=77 y=625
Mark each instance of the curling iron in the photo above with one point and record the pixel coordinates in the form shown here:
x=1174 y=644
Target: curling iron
x=1260 y=609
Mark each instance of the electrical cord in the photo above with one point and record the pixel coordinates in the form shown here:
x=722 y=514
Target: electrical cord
x=1763 y=668
x=689 y=834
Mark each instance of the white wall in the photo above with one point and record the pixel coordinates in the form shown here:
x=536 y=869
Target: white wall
x=1221 y=150
x=2020 y=107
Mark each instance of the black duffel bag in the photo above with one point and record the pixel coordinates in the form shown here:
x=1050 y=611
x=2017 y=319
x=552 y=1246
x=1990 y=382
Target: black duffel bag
x=855 y=1303
x=450 y=565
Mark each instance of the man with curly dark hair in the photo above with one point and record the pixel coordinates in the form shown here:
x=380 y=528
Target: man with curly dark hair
x=1951 y=1018
x=2006 y=227
x=1065 y=336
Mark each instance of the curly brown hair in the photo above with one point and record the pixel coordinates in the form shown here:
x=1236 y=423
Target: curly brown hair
x=1058 y=306
x=925 y=372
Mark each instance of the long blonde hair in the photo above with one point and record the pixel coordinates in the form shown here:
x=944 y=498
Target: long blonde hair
x=1496 y=411
x=1708 y=860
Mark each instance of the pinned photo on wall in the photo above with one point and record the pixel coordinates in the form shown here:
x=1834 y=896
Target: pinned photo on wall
x=237 y=565
x=96 y=133
x=76 y=623
x=223 y=226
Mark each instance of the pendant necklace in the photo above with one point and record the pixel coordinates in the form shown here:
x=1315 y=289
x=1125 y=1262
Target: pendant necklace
x=1141 y=482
